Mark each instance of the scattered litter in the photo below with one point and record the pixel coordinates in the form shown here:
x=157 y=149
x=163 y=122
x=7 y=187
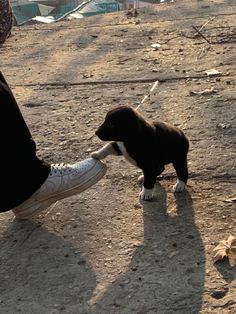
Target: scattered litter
x=156 y=46
x=207 y=91
x=226 y=248
x=212 y=72
x=44 y=19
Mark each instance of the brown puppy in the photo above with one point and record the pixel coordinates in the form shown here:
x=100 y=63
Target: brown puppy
x=147 y=145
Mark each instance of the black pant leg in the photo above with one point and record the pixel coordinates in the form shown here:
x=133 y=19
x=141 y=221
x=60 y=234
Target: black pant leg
x=21 y=172
x=6 y=20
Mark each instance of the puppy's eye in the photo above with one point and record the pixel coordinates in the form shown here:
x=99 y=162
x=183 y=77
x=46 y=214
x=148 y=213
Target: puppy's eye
x=110 y=125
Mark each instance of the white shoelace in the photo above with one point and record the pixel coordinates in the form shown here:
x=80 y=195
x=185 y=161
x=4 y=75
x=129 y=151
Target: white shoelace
x=60 y=168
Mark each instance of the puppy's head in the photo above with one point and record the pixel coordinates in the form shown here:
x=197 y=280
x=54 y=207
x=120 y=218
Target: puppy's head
x=121 y=124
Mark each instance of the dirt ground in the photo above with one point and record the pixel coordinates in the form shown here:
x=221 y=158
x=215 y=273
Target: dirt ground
x=102 y=251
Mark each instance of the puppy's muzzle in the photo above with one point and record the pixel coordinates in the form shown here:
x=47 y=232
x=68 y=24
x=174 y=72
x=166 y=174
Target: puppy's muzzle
x=99 y=134
x=102 y=134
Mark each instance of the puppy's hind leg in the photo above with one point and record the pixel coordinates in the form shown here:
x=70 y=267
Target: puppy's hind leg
x=181 y=168
x=106 y=150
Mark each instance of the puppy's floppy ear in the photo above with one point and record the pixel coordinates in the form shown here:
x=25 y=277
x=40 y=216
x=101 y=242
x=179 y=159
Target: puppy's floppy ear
x=132 y=121
x=129 y=120
x=140 y=120
x=109 y=124
x=120 y=124
x=137 y=120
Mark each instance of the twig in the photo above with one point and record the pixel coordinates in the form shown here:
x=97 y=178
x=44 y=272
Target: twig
x=206 y=23
x=165 y=42
x=200 y=34
x=29 y=234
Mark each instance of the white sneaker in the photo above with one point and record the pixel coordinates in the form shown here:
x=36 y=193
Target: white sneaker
x=63 y=181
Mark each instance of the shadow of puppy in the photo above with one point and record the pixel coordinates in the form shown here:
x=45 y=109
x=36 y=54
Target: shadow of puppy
x=167 y=269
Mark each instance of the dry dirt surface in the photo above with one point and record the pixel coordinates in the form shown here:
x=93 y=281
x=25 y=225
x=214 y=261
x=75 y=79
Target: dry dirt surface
x=102 y=251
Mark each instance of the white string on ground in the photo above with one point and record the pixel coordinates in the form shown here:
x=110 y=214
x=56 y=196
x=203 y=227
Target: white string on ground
x=148 y=95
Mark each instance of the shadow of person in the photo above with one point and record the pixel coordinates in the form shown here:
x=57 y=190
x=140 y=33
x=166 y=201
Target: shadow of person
x=41 y=272
x=166 y=273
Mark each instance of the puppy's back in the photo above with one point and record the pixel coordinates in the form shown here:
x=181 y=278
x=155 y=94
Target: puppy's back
x=171 y=140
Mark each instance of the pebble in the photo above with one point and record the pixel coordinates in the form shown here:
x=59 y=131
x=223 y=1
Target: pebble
x=219 y=294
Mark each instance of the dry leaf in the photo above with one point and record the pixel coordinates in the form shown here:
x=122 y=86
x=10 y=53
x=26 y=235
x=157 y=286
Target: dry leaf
x=226 y=248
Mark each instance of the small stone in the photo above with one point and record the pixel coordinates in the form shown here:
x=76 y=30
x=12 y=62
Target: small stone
x=190 y=236
x=81 y=262
x=219 y=294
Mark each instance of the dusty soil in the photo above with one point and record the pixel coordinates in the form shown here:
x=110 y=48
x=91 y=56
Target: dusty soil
x=102 y=251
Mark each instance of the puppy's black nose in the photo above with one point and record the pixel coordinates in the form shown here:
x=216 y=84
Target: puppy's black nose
x=96 y=132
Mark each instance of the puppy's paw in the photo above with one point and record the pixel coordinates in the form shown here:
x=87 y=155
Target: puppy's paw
x=146 y=194
x=104 y=152
x=96 y=155
x=179 y=186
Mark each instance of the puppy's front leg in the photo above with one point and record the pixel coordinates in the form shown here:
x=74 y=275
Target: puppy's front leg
x=148 y=186
x=149 y=180
x=106 y=150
